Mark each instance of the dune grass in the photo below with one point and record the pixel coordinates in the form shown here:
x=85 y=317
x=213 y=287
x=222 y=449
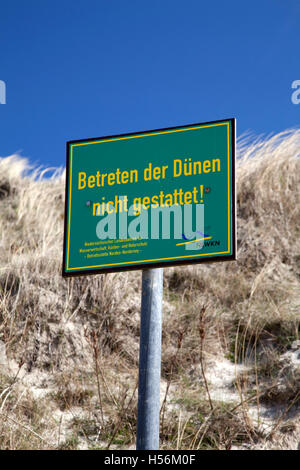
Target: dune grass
x=69 y=347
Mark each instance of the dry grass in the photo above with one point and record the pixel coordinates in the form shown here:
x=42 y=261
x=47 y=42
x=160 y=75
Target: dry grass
x=69 y=348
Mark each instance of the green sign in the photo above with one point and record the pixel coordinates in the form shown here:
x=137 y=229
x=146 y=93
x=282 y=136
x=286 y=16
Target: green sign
x=148 y=199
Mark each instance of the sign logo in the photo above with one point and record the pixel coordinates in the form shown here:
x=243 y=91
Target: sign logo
x=149 y=199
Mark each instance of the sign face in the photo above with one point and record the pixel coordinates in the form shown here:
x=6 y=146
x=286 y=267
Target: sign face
x=150 y=199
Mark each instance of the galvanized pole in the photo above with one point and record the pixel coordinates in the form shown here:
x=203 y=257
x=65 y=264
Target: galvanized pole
x=150 y=360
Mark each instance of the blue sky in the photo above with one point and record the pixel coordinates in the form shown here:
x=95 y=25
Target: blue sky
x=80 y=69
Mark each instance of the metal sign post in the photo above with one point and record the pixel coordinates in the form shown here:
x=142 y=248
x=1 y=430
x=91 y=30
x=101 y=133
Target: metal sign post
x=150 y=360
x=149 y=200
